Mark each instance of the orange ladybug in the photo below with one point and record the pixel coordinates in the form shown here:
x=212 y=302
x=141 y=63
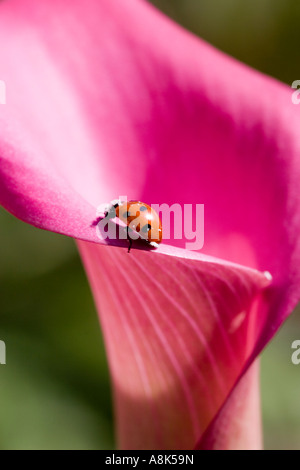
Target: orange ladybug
x=140 y=218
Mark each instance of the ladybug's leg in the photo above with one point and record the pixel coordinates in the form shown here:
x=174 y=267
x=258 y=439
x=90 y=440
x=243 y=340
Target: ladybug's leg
x=129 y=239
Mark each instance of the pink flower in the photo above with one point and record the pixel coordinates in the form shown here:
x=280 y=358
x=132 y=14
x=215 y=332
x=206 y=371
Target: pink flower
x=109 y=97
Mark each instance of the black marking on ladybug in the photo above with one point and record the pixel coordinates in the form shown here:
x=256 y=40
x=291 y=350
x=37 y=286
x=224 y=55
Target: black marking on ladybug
x=146 y=228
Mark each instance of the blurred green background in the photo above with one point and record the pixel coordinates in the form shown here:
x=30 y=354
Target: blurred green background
x=55 y=390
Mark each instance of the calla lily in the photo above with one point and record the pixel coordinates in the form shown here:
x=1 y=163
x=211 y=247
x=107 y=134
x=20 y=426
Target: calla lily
x=106 y=98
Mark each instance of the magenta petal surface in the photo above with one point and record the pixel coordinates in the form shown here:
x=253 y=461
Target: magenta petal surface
x=105 y=107
x=237 y=425
x=178 y=334
x=109 y=98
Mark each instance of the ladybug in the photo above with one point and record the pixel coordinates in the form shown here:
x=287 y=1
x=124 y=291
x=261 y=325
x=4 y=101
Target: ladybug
x=140 y=218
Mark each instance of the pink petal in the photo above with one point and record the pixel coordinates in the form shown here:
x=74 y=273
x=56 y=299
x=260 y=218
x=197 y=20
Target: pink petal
x=99 y=106
x=178 y=334
x=102 y=111
x=237 y=426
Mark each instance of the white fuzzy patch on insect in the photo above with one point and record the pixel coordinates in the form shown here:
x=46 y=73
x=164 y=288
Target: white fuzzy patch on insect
x=102 y=208
x=116 y=201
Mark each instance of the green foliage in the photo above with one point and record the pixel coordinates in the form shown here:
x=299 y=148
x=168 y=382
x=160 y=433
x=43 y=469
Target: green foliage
x=55 y=390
